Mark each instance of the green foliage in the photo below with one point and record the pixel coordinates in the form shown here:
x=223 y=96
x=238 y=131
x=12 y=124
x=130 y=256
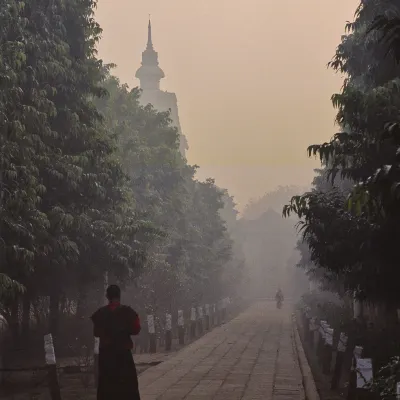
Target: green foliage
x=66 y=210
x=351 y=224
x=329 y=307
x=350 y=219
x=91 y=182
x=192 y=251
x=274 y=200
x=385 y=381
x=83 y=192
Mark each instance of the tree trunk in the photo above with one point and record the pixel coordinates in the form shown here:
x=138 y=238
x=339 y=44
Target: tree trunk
x=14 y=322
x=81 y=307
x=54 y=313
x=26 y=316
x=391 y=316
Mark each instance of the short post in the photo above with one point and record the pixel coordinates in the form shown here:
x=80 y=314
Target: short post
x=228 y=307
x=313 y=327
x=321 y=340
x=214 y=315
x=181 y=328
x=168 y=331
x=200 y=319
x=152 y=334
x=398 y=391
x=223 y=314
x=96 y=361
x=327 y=356
x=207 y=311
x=50 y=358
x=352 y=389
x=305 y=322
x=364 y=377
x=193 y=323
x=316 y=336
x=341 y=349
x=219 y=312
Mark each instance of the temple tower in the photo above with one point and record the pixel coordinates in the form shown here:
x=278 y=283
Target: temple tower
x=150 y=75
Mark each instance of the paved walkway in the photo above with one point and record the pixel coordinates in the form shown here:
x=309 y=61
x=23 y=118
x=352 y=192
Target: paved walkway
x=250 y=358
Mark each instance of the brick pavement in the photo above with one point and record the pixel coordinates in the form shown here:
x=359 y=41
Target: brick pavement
x=251 y=357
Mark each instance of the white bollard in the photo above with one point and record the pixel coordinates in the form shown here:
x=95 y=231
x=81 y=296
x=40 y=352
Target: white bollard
x=49 y=353
x=168 y=331
x=152 y=333
x=96 y=351
x=181 y=328
x=193 y=323
x=200 y=319
x=364 y=372
x=50 y=358
x=207 y=312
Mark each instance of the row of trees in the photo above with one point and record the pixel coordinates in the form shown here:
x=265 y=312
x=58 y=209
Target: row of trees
x=91 y=182
x=191 y=261
x=350 y=220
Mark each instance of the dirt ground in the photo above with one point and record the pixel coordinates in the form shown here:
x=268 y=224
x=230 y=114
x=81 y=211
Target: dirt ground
x=33 y=385
x=322 y=381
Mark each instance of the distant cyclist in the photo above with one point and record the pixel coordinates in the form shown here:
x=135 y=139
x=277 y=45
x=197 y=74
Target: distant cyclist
x=279 y=298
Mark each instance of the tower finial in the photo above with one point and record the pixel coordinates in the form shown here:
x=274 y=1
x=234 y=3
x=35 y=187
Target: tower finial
x=149 y=39
x=150 y=73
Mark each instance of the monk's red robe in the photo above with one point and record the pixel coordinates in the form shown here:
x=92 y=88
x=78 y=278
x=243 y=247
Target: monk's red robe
x=114 y=325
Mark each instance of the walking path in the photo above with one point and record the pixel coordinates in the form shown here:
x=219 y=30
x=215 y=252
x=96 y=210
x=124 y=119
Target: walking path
x=250 y=358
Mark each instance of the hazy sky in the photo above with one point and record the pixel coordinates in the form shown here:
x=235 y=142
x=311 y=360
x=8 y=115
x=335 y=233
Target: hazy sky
x=250 y=75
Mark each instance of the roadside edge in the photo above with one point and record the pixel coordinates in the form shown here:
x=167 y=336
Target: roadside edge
x=309 y=385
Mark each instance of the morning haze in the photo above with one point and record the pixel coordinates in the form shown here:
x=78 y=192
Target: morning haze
x=250 y=76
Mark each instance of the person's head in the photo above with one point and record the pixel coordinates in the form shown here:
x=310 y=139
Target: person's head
x=113 y=293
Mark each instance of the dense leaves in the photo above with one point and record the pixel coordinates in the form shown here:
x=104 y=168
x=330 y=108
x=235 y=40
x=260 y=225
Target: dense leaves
x=91 y=183
x=188 y=260
x=66 y=209
x=350 y=219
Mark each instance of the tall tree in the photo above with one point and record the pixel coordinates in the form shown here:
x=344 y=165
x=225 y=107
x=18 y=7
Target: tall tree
x=186 y=261
x=364 y=152
x=67 y=212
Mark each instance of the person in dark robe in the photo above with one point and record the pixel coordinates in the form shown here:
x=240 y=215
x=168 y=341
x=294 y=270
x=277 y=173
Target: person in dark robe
x=114 y=325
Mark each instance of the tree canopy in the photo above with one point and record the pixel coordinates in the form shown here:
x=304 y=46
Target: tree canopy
x=92 y=184
x=350 y=219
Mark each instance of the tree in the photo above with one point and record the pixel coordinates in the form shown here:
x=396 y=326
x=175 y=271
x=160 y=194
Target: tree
x=362 y=153
x=91 y=183
x=274 y=200
x=186 y=260
x=66 y=210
